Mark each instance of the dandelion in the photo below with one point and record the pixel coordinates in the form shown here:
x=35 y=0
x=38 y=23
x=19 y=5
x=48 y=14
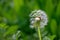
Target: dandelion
x=38 y=15
x=38 y=19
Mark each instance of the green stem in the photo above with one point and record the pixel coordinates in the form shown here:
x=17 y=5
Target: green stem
x=38 y=29
x=39 y=33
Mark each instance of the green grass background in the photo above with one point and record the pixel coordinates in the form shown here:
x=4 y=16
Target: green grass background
x=14 y=16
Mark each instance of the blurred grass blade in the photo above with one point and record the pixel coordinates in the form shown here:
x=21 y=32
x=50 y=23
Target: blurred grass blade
x=53 y=26
x=49 y=7
x=59 y=31
x=11 y=30
x=52 y=37
x=32 y=4
x=17 y=4
x=58 y=10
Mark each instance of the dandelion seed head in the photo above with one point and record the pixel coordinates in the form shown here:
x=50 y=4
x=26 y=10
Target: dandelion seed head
x=38 y=15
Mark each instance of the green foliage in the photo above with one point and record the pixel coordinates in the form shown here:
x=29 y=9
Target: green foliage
x=53 y=26
x=49 y=7
x=14 y=17
x=11 y=30
x=58 y=10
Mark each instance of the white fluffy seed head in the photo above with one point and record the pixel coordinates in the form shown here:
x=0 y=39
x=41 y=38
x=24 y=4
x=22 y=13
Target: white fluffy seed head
x=38 y=15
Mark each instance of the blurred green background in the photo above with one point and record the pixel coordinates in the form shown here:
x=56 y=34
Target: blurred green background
x=14 y=19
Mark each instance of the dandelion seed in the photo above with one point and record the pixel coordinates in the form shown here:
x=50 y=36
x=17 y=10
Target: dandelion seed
x=38 y=15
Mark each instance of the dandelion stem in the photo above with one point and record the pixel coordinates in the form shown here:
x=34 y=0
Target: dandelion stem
x=39 y=33
x=38 y=29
